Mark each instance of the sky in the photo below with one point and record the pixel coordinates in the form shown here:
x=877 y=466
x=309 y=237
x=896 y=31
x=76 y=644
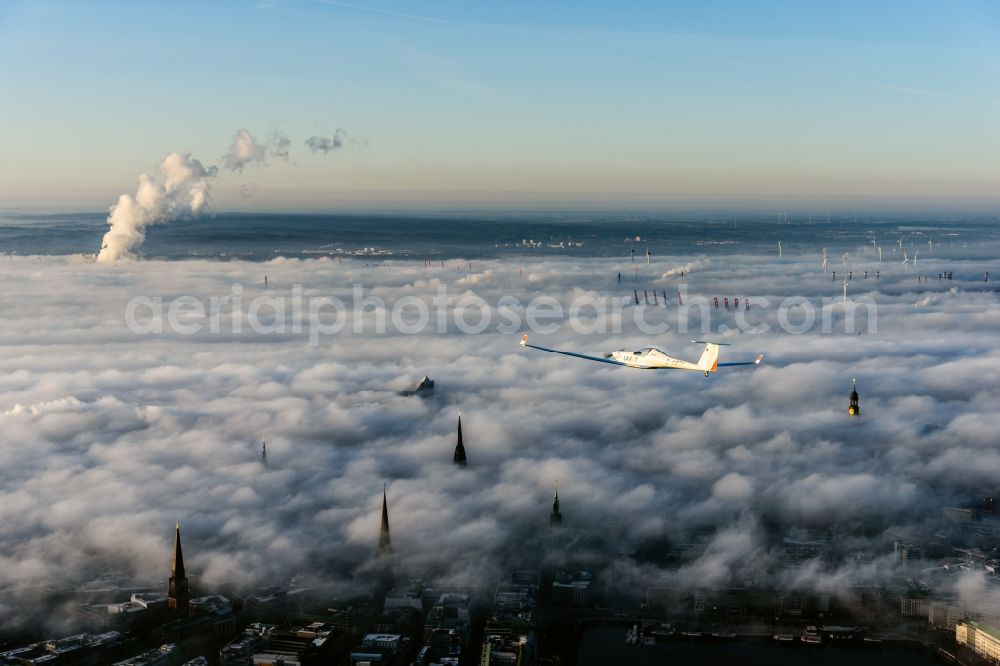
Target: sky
x=451 y=103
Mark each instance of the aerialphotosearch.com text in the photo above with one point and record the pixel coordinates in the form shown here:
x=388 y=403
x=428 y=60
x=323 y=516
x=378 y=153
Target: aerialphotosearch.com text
x=318 y=316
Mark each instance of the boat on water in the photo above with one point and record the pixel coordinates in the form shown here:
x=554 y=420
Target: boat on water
x=724 y=635
x=784 y=638
x=811 y=639
x=664 y=631
x=634 y=636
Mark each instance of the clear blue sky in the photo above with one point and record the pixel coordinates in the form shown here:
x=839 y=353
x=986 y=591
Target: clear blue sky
x=521 y=102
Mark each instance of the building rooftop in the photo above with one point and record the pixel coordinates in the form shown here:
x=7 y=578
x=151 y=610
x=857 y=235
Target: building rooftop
x=573 y=579
x=985 y=628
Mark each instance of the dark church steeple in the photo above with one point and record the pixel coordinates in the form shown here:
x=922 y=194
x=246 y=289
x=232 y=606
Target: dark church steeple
x=178 y=594
x=384 y=543
x=263 y=452
x=555 y=518
x=854 y=409
x=459 y=458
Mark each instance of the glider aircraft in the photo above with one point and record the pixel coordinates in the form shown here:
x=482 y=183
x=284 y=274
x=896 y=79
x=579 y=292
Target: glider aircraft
x=649 y=358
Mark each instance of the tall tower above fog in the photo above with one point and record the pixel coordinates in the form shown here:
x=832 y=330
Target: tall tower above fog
x=384 y=542
x=178 y=593
x=459 y=458
x=555 y=518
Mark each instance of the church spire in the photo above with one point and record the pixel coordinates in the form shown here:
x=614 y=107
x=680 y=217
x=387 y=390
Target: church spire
x=555 y=518
x=854 y=409
x=384 y=543
x=263 y=452
x=459 y=458
x=177 y=592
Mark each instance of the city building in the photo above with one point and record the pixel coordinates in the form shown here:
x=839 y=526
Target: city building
x=801 y=545
x=80 y=649
x=669 y=600
x=960 y=515
x=509 y=635
x=165 y=655
x=983 y=639
x=906 y=551
x=302 y=646
x=275 y=603
x=378 y=649
x=390 y=642
x=914 y=606
x=115 y=587
x=498 y=652
x=447 y=625
x=241 y=649
x=451 y=612
x=944 y=614
x=854 y=409
x=572 y=588
x=409 y=596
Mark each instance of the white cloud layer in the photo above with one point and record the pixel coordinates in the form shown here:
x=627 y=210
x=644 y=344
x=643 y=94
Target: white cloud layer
x=108 y=437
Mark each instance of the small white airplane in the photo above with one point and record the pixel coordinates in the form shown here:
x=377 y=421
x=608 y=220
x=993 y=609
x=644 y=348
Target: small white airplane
x=649 y=358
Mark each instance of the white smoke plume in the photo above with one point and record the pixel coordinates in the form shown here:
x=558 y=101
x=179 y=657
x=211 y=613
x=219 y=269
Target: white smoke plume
x=278 y=144
x=183 y=193
x=243 y=151
x=684 y=269
x=184 y=189
x=328 y=144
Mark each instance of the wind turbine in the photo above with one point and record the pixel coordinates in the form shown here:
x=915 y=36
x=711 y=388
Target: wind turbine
x=825 y=260
x=845 y=260
x=906 y=259
x=915 y=257
x=845 y=289
x=779 y=248
x=930 y=245
x=880 y=254
x=648 y=255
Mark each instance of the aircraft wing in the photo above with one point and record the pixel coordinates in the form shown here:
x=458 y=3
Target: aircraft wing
x=524 y=343
x=756 y=361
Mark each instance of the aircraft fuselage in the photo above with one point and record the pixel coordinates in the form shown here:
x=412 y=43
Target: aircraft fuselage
x=649 y=359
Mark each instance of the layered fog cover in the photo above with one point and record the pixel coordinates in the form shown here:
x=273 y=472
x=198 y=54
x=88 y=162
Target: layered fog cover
x=113 y=426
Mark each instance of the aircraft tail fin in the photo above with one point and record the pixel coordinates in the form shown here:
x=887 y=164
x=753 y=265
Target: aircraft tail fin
x=709 y=361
